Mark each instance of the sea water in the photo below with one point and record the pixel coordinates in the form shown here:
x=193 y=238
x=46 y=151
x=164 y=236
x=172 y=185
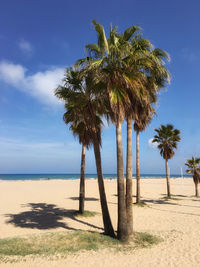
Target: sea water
x=47 y=176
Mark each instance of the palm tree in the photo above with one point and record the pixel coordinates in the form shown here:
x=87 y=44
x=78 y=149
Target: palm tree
x=107 y=56
x=112 y=56
x=142 y=119
x=142 y=73
x=193 y=165
x=79 y=95
x=77 y=126
x=167 y=138
x=127 y=62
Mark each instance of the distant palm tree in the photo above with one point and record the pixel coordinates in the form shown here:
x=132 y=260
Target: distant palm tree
x=142 y=119
x=79 y=95
x=194 y=168
x=167 y=138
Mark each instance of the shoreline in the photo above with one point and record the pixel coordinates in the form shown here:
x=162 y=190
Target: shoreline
x=91 y=178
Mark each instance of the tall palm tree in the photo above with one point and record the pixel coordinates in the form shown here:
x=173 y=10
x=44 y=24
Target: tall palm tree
x=142 y=68
x=80 y=97
x=107 y=55
x=127 y=61
x=167 y=138
x=145 y=75
x=114 y=62
x=112 y=56
x=78 y=128
x=193 y=165
x=142 y=119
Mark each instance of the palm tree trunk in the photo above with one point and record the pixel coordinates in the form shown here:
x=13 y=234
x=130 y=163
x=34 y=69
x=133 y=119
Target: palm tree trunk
x=137 y=168
x=167 y=178
x=129 y=204
x=108 y=228
x=82 y=182
x=196 y=190
x=122 y=220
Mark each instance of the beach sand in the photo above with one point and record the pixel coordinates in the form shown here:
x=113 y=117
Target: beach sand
x=177 y=222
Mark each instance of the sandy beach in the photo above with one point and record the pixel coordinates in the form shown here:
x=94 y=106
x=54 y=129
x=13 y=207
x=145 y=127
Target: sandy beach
x=175 y=221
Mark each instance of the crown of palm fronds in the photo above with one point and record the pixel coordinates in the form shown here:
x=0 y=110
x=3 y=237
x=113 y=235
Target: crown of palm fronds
x=167 y=138
x=193 y=165
x=83 y=107
x=143 y=117
x=130 y=69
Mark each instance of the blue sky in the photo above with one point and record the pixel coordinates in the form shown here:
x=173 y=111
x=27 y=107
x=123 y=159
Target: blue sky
x=38 y=39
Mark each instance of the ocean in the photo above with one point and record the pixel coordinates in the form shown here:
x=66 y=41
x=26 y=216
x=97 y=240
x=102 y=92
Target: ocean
x=47 y=176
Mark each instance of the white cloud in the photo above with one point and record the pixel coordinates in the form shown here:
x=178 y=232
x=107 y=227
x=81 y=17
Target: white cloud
x=43 y=84
x=151 y=144
x=40 y=85
x=12 y=74
x=25 y=46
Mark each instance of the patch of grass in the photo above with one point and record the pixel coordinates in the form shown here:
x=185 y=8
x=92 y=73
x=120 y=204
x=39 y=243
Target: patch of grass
x=64 y=243
x=170 y=198
x=53 y=244
x=145 y=239
x=86 y=213
x=141 y=204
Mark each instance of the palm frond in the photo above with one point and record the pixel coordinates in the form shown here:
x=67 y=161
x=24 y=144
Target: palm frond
x=102 y=41
x=130 y=31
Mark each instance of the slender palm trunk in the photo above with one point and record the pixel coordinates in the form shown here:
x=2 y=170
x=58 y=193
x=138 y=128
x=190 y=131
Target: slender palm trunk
x=167 y=178
x=82 y=182
x=122 y=220
x=196 y=190
x=137 y=168
x=108 y=228
x=129 y=204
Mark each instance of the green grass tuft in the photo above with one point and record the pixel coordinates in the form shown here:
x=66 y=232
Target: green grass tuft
x=146 y=239
x=170 y=198
x=141 y=204
x=86 y=213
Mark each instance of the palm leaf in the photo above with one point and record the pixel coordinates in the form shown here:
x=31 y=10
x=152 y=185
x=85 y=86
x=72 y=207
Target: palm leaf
x=102 y=41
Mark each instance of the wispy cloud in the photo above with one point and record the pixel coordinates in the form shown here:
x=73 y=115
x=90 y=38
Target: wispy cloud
x=21 y=156
x=25 y=47
x=190 y=55
x=40 y=85
x=12 y=74
x=17 y=146
x=151 y=144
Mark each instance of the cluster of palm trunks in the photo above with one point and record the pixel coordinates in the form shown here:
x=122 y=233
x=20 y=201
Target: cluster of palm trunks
x=119 y=79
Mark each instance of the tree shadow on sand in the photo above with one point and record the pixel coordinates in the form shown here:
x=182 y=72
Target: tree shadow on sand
x=115 y=195
x=45 y=216
x=86 y=199
x=158 y=201
x=176 y=212
x=176 y=195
